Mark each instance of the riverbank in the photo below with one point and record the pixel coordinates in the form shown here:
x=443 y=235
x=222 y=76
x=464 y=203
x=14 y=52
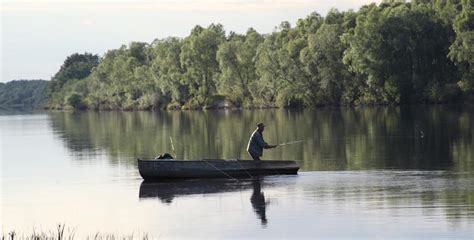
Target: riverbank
x=232 y=107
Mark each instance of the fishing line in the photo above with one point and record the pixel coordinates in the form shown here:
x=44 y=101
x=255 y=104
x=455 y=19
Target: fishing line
x=172 y=147
x=242 y=167
x=348 y=138
x=220 y=170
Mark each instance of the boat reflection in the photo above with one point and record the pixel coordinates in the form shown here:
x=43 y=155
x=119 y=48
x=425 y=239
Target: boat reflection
x=166 y=191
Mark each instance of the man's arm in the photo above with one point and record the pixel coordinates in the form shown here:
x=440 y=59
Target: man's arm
x=264 y=144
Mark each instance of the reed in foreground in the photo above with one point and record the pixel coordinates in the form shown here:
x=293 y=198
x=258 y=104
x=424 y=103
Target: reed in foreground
x=63 y=233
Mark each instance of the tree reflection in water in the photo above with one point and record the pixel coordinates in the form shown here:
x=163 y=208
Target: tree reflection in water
x=405 y=138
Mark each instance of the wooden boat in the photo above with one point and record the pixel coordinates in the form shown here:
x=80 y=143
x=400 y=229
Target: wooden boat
x=212 y=168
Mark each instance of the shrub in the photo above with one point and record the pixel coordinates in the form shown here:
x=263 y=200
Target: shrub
x=76 y=101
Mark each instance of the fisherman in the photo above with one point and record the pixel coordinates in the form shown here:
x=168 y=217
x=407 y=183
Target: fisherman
x=257 y=144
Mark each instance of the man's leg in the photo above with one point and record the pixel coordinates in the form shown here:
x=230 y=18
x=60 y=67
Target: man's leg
x=255 y=157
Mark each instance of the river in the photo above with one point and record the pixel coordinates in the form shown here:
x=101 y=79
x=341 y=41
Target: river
x=373 y=172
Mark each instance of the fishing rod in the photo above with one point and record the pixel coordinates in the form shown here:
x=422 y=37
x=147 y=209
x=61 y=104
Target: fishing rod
x=292 y=142
x=172 y=147
x=350 y=138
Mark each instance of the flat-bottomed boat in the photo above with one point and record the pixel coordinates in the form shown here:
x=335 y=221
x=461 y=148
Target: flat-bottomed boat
x=154 y=169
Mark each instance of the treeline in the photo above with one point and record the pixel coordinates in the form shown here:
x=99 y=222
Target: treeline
x=392 y=53
x=24 y=93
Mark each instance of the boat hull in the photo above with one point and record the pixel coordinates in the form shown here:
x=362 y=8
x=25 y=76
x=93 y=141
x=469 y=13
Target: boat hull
x=169 y=169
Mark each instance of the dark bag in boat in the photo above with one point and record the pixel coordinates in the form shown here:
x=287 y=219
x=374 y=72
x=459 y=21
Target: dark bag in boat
x=164 y=156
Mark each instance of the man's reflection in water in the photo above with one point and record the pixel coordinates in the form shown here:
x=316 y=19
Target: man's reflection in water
x=258 y=201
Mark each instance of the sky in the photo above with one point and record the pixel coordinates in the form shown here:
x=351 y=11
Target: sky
x=37 y=36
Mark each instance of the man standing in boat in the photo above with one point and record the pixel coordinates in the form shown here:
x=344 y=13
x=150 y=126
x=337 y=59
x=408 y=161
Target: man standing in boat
x=257 y=144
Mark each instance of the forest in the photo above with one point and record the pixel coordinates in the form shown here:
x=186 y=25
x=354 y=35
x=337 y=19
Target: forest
x=391 y=53
x=23 y=93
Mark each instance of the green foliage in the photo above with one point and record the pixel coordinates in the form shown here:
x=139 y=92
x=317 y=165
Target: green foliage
x=462 y=50
x=124 y=79
x=198 y=58
x=400 y=52
x=75 y=68
x=30 y=93
x=167 y=71
x=392 y=53
x=76 y=101
x=321 y=57
x=236 y=59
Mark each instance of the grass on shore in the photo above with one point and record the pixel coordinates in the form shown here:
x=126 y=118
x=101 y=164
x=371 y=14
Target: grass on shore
x=69 y=234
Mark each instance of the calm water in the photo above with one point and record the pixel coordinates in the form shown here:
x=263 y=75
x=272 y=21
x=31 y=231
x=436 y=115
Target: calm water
x=366 y=173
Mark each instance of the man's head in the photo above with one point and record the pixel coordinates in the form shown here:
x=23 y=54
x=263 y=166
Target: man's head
x=260 y=127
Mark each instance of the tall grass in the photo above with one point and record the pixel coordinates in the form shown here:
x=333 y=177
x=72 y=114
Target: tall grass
x=63 y=233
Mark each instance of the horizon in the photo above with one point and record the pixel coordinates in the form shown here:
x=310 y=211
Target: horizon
x=36 y=49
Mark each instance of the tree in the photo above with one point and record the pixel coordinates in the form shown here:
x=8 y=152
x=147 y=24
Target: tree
x=123 y=79
x=323 y=62
x=198 y=59
x=462 y=50
x=399 y=51
x=31 y=93
x=76 y=66
x=167 y=69
x=75 y=100
x=236 y=59
x=279 y=67
x=392 y=53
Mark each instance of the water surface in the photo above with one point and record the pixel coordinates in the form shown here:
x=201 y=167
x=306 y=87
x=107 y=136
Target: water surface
x=366 y=173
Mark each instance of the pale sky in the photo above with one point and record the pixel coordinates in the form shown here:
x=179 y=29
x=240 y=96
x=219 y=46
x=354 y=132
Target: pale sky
x=37 y=36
